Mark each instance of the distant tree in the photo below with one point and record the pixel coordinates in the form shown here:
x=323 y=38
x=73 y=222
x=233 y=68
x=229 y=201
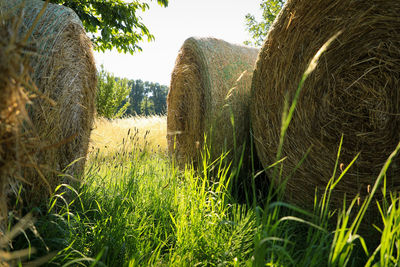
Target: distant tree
x=145 y=98
x=147 y=107
x=159 y=98
x=259 y=29
x=136 y=96
x=112 y=23
x=112 y=93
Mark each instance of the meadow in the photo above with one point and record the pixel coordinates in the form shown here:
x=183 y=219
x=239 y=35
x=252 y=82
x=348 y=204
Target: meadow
x=136 y=208
x=135 y=205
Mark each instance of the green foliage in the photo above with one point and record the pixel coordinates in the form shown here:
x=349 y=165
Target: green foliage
x=136 y=209
x=158 y=97
x=111 y=94
x=147 y=107
x=113 y=23
x=144 y=98
x=147 y=98
x=136 y=96
x=259 y=29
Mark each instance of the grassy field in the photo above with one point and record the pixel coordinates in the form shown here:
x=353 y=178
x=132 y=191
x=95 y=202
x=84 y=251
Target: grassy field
x=135 y=208
x=110 y=136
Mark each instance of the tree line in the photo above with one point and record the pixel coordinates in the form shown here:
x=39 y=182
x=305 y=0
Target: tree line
x=117 y=97
x=147 y=98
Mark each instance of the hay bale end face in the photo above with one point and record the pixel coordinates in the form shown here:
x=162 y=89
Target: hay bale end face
x=210 y=85
x=65 y=74
x=354 y=92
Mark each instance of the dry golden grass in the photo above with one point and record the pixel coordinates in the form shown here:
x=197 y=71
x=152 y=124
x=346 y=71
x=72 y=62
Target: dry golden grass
x=111 y=136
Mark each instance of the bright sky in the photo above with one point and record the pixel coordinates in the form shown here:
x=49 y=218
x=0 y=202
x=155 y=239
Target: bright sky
x=171 y=26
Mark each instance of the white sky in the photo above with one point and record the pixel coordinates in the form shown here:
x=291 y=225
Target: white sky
x=171 y=26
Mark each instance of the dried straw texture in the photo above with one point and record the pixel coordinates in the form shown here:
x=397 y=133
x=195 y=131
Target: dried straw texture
x=14 y=77
x=65 y=73
x=210 y=84
x=354 y=92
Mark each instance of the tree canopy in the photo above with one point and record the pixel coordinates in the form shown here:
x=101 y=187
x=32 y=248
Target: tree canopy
x=111 y=95
x=259 y=29
x=147 y=98
x=117 y=97
x=113 y=23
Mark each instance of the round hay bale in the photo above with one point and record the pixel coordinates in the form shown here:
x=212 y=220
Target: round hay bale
x=209 y=93
x=354 y=92
x=14 y=77
x=65 y=74
x=8 y=118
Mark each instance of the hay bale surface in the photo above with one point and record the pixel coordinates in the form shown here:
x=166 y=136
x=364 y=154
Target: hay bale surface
x=65 y=74
x=353 y=92
x=14 y=77
x=210 y=84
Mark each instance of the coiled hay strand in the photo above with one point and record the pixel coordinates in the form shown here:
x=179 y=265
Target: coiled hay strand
x=209 y=92
x=354 y=92
x=65 y=74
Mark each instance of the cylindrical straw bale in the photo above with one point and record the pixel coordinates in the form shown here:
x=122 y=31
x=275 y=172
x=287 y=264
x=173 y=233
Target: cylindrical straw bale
x=209 y=97
x=353 y=92
x=65 y=74
x=14 y=77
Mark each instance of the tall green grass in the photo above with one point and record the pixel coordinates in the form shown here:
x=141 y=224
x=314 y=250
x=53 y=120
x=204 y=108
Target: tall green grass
x=138 y=209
